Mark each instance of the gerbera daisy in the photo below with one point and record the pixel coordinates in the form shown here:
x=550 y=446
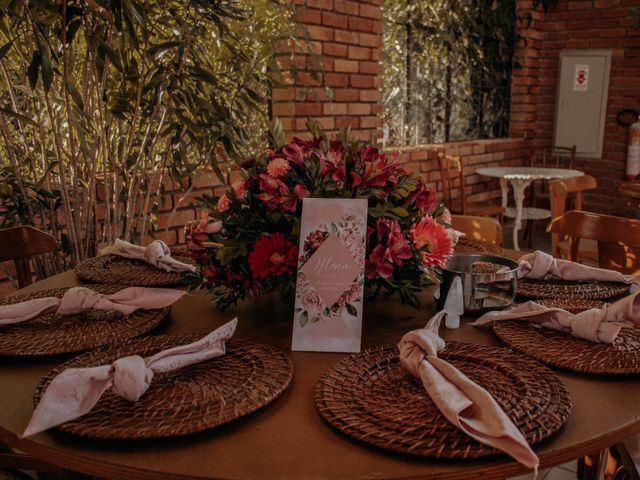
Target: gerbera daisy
x=273 y=255
x=432 y=241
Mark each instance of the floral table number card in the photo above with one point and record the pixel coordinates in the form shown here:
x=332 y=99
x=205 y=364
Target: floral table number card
x=330 y=284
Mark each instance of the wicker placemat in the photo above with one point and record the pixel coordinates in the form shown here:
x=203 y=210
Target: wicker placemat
x=370 y=397
x=466 y=245
x=113 y=269
x=50 y=334
x=572 y=353
x=571 y=304
x=198 y=397
x=552 y=287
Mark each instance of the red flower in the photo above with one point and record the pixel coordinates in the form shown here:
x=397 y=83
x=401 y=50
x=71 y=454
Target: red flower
x=392 y=249
x=374 y=169
x=423 y=196
x=276 y=195
x=433 y=241
x=273 y=256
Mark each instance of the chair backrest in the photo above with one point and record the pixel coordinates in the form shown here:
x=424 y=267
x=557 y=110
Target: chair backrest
x=558 y=157
x=451 y=168
x=618 y=238
x=486 y=229
x=21 y=243
x=559 y=191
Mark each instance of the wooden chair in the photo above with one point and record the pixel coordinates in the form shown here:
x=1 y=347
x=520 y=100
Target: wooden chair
x=557 y=157
x=618 y=238
x=486 y=229
x=20 y=244
x=452 y=172
x=561 y=191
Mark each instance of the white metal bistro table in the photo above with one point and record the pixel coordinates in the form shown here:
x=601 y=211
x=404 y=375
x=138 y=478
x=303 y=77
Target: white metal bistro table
x=520 y=178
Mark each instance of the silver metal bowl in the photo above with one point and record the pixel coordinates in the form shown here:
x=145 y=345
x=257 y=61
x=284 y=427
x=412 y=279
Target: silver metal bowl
x=482 y=291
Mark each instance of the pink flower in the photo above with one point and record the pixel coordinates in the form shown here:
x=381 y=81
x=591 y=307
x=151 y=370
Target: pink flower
x=301 y=191
x=239 y=188
x=392 y=249
x=331 y=163
x=223 y=203
x=295 y=153
x=433 y=242
x=276 y=195
x=277 y=167
x=311 y=300
x=376 y=264
x=374 y=169
x=424 y=197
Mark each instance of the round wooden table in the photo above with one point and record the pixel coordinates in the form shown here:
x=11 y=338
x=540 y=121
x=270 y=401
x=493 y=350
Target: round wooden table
x=288 y=439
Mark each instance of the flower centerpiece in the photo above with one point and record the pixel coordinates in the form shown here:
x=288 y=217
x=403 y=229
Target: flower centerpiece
x=249 y=246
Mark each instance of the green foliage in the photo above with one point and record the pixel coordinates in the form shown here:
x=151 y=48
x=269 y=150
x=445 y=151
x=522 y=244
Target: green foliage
x=107 y=99
x=447 y=69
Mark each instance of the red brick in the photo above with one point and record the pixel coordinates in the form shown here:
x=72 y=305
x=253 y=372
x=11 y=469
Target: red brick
x=370 y=11
x=336 y=80
x=343 y=36
x=359 y=108
x=335 y=20
x=370 y=96
x=359 y=53
x=308 y=15
x=346 y=94
x=334 y=109
x=362 y=81
x=361 y=24
x=370 y=40
x=320 y=33
x=347 y=66
x=334 y=49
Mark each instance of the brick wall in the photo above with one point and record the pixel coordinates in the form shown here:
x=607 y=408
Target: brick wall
x=580 y=24
x=475 y=154
x=345 y=38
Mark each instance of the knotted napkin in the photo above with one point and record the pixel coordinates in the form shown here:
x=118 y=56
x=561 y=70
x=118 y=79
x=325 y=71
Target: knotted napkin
x=77 y=299
x=75 y=391
x=464 y=403
x=157 y=253
x=538 y=264
x=596 y=325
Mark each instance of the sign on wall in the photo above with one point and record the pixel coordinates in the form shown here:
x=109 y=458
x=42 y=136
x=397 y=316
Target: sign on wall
x=581 y=78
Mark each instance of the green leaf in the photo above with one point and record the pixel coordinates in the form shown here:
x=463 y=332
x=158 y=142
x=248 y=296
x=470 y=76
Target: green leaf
x=32 y=70
x=5 y=49
x=303 y=319
x=75 y=94
x=47 y=71
x=351 y=309
x=18 y=116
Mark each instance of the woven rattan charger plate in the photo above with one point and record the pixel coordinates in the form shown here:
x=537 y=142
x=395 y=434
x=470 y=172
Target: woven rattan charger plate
x=198 y=397
x=50 y=334
x=466 y=245
x=562 y=350
x=113 y=269
x=370 y=397
x=552 y=287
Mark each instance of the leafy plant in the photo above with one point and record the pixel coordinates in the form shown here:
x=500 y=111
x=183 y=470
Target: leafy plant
x=447 y=69
x=108 y=101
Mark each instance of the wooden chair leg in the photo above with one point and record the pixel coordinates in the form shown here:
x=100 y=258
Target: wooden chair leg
x=620 y=464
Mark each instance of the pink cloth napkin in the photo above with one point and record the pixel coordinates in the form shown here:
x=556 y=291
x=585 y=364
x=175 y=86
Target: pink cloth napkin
x=464 y=403
x=77 y=299
x=157 y=253
x=537 y=264
x=596 y=325
x=75 y=391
